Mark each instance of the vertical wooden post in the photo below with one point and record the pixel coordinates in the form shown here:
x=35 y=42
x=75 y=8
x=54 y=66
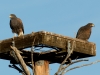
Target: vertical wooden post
x=42 y=67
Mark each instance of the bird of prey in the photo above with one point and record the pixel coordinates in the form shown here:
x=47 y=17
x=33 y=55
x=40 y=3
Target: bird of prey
x=84 y=32
x=16 y=25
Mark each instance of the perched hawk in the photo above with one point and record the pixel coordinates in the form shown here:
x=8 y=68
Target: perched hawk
x=84 y=32
x=16 y=25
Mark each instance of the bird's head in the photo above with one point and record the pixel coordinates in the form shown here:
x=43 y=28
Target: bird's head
x=12 y=16
x=91 y=24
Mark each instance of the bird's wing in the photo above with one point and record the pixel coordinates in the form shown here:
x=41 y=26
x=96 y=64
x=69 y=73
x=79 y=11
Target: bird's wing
x=20 y=24
x=11 y=26
x=80 y=31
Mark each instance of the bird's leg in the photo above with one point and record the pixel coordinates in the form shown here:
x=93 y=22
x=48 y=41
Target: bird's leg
x=20 y=34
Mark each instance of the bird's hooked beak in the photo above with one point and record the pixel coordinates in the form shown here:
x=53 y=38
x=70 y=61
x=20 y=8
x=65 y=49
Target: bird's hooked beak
x=93 y=25
x=10 y=16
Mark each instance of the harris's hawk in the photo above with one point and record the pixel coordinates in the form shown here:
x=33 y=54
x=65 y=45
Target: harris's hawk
x=16 y=25
x=84 y=32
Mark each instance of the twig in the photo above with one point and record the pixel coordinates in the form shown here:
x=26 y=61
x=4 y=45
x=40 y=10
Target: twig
x=15 y=67
x=32 y=51
x=13 y=54
x=80 y=60
x=75 y=61
x=29 y=65
x=21 y=61
x=82 y=66
x=68 y=55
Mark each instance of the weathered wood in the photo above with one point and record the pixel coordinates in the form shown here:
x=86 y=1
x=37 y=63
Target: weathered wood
x=50 y=40
x=21 y=61
x=42 y=67
x=82 y=48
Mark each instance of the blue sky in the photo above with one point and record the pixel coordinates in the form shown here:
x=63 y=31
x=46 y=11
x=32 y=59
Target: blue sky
x=59 y=16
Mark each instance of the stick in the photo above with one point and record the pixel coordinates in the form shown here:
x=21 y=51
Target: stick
x=76 y=61
x=21 y=61
x=68 y=55
x=82 y=66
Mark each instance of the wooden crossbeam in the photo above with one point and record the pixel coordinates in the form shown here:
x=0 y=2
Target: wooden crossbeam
x=50 y=40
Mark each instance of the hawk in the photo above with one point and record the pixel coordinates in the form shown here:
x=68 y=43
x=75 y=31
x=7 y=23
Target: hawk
x=84 y=32
x=16 y=25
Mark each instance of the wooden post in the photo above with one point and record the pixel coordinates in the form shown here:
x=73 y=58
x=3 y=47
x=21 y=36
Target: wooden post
x=42 y=67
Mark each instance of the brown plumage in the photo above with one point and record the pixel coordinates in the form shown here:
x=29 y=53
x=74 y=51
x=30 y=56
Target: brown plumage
x=16 y=25
x=84 y=32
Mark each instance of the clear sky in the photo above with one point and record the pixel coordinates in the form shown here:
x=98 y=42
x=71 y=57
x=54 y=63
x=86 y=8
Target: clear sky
x=59 y=16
